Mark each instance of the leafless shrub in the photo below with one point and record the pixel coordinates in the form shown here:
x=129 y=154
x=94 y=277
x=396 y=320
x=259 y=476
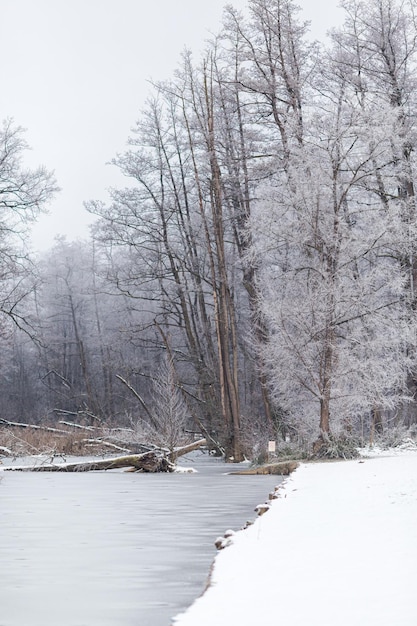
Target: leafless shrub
x=395 y=437
x=169 y=408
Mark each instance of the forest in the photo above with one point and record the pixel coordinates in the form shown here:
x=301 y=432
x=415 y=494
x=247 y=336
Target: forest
x=256 y=277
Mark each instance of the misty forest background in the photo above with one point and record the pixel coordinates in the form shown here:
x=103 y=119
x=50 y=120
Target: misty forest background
x=256 y=278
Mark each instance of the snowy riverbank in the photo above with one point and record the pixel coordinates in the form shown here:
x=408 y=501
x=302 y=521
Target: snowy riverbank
x=338 y=548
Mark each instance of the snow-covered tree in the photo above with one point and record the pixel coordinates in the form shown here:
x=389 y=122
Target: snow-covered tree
x=331 y=286
x=376 y=53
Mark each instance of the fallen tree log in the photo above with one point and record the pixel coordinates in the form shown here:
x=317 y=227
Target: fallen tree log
x=147 y=462
x=282 y=468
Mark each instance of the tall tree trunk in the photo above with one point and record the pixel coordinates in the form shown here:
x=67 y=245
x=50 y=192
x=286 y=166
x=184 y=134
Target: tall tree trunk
x=225 y=314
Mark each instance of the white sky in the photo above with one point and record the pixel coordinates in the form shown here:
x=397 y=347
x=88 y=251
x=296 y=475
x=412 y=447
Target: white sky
x=75 y=75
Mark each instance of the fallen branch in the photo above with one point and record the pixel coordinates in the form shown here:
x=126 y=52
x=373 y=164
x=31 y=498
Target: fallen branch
x=131 y=446
x=77 y=413
x=100 y=441
x=141 y=400
x=73 y=425
x=49 y=429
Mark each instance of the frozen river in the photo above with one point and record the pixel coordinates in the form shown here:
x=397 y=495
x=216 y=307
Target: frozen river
x=115 y=548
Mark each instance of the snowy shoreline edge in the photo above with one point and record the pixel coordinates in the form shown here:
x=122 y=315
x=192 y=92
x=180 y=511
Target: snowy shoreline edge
x=347 y=527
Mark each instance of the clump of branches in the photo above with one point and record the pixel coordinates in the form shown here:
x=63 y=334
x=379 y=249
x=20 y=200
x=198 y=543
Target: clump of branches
x=167 y=412
x=395 y=437
x=337 y=447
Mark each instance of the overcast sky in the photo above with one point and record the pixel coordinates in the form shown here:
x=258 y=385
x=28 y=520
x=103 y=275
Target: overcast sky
x=75 y=74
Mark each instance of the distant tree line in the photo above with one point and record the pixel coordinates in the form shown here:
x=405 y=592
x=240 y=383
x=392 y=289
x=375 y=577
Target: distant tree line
x=257 y=276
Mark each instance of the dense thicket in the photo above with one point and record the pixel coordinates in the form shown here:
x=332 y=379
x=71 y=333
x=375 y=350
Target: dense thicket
x=257 y=276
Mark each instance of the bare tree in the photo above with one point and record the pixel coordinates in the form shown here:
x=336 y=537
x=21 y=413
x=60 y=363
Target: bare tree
x=168 y=407
x=24 y=193
x=174 y=224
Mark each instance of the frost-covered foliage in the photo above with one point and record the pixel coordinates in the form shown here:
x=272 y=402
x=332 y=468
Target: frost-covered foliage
x=332 y=289
x=334 y=235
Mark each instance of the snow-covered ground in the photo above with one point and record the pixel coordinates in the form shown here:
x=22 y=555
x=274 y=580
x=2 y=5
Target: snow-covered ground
x=337 y=548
